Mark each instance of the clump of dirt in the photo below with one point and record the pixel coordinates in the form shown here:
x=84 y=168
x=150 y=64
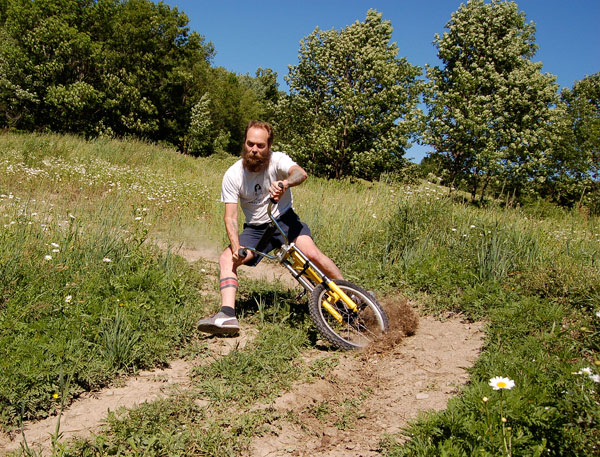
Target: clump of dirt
x=403 y=322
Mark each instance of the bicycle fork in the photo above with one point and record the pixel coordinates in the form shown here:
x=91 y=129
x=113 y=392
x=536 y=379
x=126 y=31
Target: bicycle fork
x=309 y=276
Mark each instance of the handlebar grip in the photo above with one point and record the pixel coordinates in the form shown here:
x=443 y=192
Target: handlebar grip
x=242 y=253
x=272 y=200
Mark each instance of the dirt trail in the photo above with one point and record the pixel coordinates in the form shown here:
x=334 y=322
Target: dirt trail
x=378 y=394
x=389 y=387
x=88 y=413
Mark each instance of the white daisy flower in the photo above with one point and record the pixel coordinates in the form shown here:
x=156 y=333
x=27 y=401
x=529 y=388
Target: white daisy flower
x=68 y=298
x=498 y=383
x=106 y=260
x=48 y=257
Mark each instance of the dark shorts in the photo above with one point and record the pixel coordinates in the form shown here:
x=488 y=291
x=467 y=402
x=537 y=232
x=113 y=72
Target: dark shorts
x=252 y=235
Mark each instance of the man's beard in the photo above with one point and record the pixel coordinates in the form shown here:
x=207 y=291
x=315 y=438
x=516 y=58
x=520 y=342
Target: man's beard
x=253 y=162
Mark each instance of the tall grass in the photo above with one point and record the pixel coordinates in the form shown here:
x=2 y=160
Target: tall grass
x=533 y=274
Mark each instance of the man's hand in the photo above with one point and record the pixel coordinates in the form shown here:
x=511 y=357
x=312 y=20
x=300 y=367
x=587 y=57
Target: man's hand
x=277 y=189
x=296 y=176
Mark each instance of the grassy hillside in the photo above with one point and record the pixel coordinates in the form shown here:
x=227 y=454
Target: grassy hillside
x=83 y=297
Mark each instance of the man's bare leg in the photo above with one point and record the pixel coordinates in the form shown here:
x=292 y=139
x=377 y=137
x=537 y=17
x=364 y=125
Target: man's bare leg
x=225 y=322
x=306 y=244
x=228 y=280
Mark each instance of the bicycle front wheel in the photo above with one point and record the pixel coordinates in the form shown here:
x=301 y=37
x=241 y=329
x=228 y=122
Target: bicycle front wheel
x=357 y=329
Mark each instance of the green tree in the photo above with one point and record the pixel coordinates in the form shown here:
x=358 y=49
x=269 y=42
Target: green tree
x=490 y=107
x=198 y=139
x=575 y=156
x=235 y=100
x=352 y=102
x=100 y=66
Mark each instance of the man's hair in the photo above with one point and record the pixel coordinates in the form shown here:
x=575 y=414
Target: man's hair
x=260 y=125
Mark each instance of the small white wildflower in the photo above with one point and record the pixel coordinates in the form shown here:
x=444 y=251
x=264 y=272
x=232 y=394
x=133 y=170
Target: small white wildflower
x=56 y=251
x=498 y=383
x=595 y=377
x=453 y=229
x=106 y=260
x=597 y=313
x=138 y=218
x=472 y=226
x=54 y=245
x=586 y=370
x=68 y=298
x=374 y=216
x=71 y=216
x=48 y=257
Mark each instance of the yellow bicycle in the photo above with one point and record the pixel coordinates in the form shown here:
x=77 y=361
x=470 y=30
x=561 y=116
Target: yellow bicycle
x=345 y=314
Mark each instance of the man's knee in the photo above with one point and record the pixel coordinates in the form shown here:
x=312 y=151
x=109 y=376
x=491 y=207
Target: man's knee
x=226 y=259
x=313 y=253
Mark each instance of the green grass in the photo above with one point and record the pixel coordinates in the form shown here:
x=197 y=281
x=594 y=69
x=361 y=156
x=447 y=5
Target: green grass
x=532 y=274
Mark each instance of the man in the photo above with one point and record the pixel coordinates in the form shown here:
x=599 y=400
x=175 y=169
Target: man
x=252 y=180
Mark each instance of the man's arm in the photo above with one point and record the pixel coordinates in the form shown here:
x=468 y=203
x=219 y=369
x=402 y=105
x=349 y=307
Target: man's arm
x=231 y=226
x=296 y=176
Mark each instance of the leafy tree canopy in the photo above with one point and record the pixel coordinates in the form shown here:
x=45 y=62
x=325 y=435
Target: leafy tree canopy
x=352 y=102
x=490 y=106
x=104 y=66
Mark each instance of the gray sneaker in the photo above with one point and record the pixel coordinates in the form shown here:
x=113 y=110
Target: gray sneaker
x=219 y=324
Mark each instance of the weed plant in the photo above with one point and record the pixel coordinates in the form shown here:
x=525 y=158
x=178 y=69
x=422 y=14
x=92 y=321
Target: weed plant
x=532 y=274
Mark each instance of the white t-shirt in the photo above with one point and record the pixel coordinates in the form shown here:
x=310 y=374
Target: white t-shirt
x=252 y=189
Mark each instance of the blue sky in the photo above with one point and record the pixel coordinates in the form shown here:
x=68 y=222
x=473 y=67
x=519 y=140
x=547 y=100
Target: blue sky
x=248 y=35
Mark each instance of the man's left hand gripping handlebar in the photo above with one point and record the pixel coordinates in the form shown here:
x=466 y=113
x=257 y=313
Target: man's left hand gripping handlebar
x=276 y=191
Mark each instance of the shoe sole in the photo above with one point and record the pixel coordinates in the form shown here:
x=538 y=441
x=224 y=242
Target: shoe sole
x=214 y=330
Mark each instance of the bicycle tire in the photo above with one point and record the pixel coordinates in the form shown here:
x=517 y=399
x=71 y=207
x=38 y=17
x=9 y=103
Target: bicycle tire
x=357 y=330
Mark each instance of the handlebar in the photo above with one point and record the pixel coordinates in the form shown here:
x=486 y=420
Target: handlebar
x=272 y=200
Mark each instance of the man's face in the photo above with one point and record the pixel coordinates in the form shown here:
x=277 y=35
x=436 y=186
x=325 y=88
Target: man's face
x=257 y=152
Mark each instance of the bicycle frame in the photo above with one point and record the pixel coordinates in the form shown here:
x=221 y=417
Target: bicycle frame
x=305 y=271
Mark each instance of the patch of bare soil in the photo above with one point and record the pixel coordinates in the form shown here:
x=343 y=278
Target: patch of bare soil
x=374 y=393
x=264 y=271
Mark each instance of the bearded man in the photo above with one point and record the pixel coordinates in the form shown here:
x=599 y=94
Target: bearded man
x=259 y=175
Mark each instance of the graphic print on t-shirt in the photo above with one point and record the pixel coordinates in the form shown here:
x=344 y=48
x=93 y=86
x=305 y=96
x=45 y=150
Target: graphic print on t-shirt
x=258 y=196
